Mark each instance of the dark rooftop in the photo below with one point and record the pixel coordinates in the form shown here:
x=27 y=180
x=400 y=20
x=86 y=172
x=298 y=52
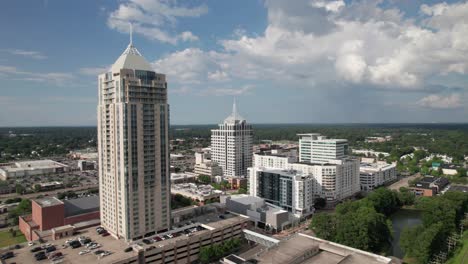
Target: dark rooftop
x=459 y=188
x=81 y=205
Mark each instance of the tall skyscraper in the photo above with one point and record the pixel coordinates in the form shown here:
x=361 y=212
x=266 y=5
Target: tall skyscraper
x=231 y=145
x=133 y=122
x=315 y=148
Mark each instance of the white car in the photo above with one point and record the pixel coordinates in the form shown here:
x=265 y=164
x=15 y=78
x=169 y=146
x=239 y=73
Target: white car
x=106 y=253
x=84 y=252
x=94 y=246
x=31 y=244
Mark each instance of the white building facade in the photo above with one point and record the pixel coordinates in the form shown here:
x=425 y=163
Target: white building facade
x=288 y=189
x=315 y=148
x=133 y=141
x=373 y=175
x=325 y=169
x=231 y=145
x=333 y=181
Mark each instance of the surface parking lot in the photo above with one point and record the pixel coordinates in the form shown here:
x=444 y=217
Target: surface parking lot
x=71 y=255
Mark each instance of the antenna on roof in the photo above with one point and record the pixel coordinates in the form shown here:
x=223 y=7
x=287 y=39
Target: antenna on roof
x=131 y=34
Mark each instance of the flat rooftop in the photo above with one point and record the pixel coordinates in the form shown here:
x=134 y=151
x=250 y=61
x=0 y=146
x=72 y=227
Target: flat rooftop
x=81 y=205
x=48 y=201
x=292 y=249
x=246 y=199
x=116 y=247
x=32 y=165
x=376 y=166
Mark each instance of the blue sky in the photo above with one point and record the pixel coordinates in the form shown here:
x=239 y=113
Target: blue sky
x=298 y=61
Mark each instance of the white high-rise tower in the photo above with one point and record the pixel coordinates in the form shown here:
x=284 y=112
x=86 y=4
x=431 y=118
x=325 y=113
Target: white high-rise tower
x=231 y=145
x=133 y=122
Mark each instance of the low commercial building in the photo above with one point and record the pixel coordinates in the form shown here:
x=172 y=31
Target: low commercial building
x=50 y=216
x=263 y=215
x=236 y=182
x=208 y=168
x=89 y=154
x=46 y=186
x=85 y=165
x=305 y=249
x=30 y=168
x=370 y=152
x=183 y=177
x=373 y=175
x=199 y=193
x=451 y=169
x=429 y=186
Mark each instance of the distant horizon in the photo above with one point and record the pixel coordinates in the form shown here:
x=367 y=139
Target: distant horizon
x=214 y=124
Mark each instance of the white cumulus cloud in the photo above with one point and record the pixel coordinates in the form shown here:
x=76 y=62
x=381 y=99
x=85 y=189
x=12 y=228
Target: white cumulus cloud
x=441 y=102
x=154 y=19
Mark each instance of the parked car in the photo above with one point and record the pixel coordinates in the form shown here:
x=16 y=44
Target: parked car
x=83 y=252
x=50 y=249
x=31 y=244
x=146 y=241
x=35 y=249
x=55 y=255
x=128 y=249
x=7 y=255
x=97 y=252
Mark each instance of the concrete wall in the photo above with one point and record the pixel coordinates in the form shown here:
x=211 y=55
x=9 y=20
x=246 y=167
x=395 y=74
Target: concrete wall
x=81 y=218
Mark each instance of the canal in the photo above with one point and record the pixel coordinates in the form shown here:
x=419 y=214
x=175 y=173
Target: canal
x=401 y=219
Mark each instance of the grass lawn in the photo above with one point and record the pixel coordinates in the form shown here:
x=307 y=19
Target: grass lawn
x=461 y=255
x=7 y=240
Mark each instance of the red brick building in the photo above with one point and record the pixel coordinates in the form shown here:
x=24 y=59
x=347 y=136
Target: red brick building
x=54 y=218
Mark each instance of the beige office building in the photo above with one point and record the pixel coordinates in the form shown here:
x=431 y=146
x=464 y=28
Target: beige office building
x=133 y=122
x=231 y=145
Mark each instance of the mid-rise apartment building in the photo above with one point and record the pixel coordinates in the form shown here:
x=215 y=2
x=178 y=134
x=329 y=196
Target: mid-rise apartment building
x=324 y=170
x=376 y=174
x=288 y=189
x=133 y=141
x=231 y=145
x=333 y=181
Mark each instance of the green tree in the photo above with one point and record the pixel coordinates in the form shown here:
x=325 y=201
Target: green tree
x=242 y=190
x=20 y=189
x=204 y=179
x=461 y=172
x=324 y=225
x=37 y=187
x=384 y=200
x=406 y=197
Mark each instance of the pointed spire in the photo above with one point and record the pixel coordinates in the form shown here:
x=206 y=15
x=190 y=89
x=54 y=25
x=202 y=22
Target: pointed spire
x=234 y=109
x=131 y=34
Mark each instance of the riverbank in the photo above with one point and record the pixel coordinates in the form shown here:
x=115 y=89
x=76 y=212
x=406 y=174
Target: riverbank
x=401 y=219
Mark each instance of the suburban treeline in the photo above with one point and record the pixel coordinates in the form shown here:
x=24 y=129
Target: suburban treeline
x=442 y=216
x=449 y=139
x=37 y=142
x=365 y=223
